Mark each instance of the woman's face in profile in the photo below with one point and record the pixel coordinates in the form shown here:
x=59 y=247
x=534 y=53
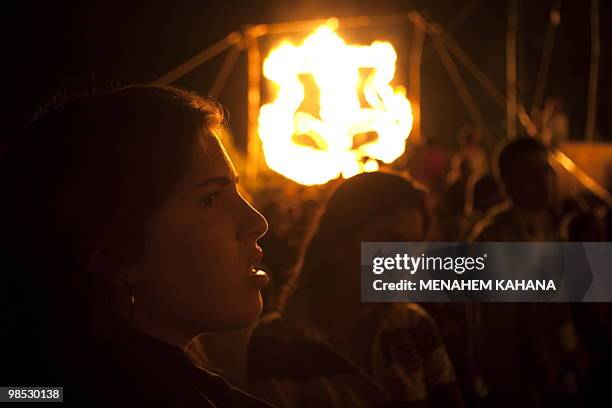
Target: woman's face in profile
x=195 y=275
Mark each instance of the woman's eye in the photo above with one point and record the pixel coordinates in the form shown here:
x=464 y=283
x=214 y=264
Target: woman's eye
x=210 y=200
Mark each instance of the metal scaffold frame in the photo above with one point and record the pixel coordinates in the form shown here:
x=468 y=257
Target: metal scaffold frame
x=249 y=39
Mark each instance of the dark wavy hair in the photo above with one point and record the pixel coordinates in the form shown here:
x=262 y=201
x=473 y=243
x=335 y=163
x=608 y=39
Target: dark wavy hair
x=350 y=206
x=82 y=180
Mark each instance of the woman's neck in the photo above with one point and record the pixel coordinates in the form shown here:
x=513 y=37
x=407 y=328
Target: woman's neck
x=168 y=333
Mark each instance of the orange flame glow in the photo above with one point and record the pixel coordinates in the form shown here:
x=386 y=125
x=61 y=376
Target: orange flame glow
x=335 y=68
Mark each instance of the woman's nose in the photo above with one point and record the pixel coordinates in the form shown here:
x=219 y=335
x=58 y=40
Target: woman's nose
x=254 y=225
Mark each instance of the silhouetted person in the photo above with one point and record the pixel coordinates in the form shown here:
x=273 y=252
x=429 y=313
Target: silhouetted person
x=526 y=354
x=471 y=150
x=452 y=217
x=328 y=349
x=592 y=319
x=528 y=181
x=482 y=194
x=124 y=237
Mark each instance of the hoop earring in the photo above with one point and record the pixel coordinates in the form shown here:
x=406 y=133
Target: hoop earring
x=132 y=307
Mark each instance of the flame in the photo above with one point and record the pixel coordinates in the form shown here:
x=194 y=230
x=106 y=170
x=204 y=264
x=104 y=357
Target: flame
x=334 y=66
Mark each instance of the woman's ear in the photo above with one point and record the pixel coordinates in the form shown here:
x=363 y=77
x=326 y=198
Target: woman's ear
x=114 y=273
x=106 y=264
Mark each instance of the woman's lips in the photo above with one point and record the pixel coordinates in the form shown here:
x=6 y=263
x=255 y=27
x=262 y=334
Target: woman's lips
x=258 y=277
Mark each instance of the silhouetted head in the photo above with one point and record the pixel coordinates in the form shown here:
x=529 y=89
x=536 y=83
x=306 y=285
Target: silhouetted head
x=369 y=207
x=525 y=173
x=122 y=206
x=482 y=193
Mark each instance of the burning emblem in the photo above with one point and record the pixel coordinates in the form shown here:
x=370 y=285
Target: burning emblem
x=350 y=134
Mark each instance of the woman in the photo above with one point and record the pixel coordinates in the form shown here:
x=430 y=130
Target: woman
x=124 y=237
x=329 y=348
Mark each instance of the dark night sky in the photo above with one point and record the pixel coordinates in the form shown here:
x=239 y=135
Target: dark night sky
x=61 y=47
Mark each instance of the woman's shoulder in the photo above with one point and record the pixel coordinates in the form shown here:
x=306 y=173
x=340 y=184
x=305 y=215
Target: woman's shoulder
x=142 y=371
x=196 y=388
x=216 y=389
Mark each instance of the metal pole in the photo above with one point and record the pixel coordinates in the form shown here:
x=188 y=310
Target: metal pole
x=253 y=99
x=587 y=181
x=549 y=42
x=455 y=76
x=458 y=20
x=278 y=28
x=414 y=78
x=226 y=69
x=197 y=60
x=511 y=69
x=473 y=69
x=593 y=74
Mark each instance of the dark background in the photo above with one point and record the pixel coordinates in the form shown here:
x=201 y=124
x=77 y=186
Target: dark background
x=56 y=48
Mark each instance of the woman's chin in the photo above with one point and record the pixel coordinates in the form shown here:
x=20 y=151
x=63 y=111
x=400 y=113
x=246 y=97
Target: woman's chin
x=255 y=311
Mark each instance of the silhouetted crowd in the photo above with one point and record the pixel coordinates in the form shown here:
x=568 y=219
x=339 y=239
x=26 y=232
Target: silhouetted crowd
x=317 y=345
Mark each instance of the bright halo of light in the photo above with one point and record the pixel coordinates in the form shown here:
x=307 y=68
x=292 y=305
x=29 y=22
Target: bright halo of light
x=335 y=68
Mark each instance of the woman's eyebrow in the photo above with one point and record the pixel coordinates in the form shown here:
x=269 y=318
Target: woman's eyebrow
x=219 y=180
